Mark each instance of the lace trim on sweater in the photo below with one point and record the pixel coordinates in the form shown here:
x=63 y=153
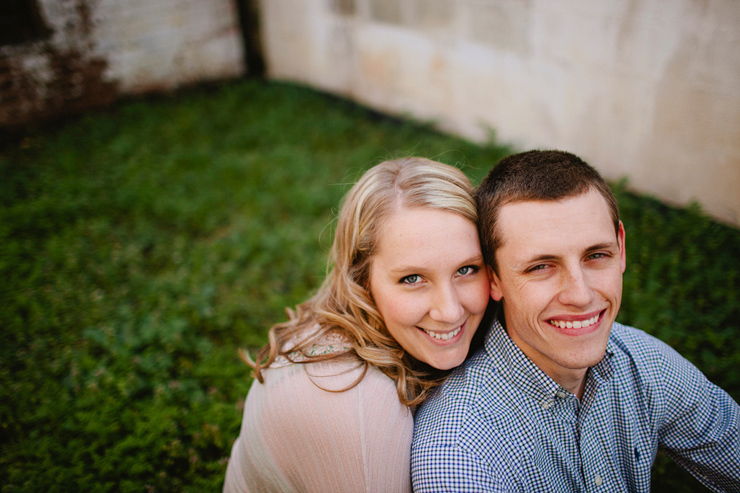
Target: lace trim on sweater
x=329 y=343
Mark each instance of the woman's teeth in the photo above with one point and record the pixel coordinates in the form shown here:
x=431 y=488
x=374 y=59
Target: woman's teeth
x=576 y=324
x=443 y=337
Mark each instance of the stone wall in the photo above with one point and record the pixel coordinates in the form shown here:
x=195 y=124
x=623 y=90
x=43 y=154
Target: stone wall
x=643 y=89
x=90 y=51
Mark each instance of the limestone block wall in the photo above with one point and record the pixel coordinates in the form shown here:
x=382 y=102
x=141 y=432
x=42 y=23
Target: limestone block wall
x=94 y=50
x=643 y=89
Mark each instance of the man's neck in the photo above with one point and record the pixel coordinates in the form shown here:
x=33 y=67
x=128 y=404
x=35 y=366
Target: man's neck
x=572 y=380
x=575 y=385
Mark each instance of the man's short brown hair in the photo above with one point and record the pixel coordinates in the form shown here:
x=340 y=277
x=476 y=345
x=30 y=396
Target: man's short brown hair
x=538 y=176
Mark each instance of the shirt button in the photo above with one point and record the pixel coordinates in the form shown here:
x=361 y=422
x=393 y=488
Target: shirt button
x=560 y=394
x=598 y=480
x=547 y=404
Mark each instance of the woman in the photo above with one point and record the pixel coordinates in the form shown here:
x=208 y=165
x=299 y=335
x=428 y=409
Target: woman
x=332 y=407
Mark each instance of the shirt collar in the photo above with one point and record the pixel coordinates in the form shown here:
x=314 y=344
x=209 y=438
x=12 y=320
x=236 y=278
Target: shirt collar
x=511 y=363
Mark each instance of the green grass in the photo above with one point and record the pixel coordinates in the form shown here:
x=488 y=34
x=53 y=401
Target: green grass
x=141 y=246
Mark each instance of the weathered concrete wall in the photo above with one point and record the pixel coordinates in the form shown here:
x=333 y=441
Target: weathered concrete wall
x=647 y=89
x=98 y=49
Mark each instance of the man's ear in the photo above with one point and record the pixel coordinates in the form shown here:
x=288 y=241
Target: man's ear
x=622 y=248
x=496 y=290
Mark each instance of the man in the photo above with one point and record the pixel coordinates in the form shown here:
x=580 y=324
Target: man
x=562 y=398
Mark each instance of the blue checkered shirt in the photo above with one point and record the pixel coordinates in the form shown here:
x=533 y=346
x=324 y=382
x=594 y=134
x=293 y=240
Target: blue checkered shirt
x=500 y=424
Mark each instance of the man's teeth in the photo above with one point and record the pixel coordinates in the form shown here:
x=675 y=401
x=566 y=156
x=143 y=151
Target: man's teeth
x=443 y=337
x=575 y=325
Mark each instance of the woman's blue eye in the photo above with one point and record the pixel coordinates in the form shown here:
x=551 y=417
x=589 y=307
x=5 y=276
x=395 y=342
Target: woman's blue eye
x=412 y=279
x=468 y=269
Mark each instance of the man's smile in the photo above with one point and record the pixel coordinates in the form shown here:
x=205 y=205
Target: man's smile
x=576 y=324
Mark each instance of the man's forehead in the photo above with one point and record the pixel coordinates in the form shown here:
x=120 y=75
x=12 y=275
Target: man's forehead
x=585 y=215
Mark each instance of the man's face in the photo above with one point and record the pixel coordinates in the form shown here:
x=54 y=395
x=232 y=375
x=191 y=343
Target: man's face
x=560 y=276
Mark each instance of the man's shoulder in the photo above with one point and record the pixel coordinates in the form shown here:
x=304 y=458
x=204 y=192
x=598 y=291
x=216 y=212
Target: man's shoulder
x=632 y=335
x=656 y=367
x=466 y=384
x=450 y=401
x=472 y=403
x=468 y=422
x=641 y=347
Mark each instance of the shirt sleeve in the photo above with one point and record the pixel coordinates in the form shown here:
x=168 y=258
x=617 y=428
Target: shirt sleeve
x=701 y=430
x=297 y=436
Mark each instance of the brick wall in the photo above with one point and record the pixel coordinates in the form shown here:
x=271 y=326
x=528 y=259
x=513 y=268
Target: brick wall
x=94 y=50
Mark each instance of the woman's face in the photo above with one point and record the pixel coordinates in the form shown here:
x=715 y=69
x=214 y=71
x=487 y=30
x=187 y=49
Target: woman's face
x=429 y=283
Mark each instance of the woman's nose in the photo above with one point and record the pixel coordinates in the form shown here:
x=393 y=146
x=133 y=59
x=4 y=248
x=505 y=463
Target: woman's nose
x=446 y=306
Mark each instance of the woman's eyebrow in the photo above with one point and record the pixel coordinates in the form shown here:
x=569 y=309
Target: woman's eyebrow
x=405 y=269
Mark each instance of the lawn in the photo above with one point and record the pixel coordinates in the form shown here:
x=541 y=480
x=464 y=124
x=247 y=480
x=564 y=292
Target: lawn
x=142 y=245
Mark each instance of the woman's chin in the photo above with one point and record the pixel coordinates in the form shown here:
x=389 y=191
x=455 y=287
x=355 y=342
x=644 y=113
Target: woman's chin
x=447 y=361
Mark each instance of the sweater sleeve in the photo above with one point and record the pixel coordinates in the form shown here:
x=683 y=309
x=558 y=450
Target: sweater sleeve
x=300 y=432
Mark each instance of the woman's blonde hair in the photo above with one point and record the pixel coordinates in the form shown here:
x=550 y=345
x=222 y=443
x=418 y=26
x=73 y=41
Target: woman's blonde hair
x=343 y=303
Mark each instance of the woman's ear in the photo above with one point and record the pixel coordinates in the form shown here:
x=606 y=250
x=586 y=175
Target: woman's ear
x=496 y=291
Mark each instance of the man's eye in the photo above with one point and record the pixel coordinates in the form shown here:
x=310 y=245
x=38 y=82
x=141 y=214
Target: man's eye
x=538 y=267
x=412 y=279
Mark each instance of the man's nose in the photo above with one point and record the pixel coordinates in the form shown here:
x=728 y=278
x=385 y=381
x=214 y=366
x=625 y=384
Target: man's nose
x=575 y=289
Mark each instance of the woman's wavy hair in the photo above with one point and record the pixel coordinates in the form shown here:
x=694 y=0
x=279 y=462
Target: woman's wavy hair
x=343 y=303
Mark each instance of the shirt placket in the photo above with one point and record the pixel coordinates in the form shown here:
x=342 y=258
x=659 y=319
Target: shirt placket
x=564 y=407
x=596 y=470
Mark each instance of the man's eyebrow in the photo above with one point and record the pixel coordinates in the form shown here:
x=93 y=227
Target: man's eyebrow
x=541 y=258
x=603 y=246
x=525 y=263
x=545 y=256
